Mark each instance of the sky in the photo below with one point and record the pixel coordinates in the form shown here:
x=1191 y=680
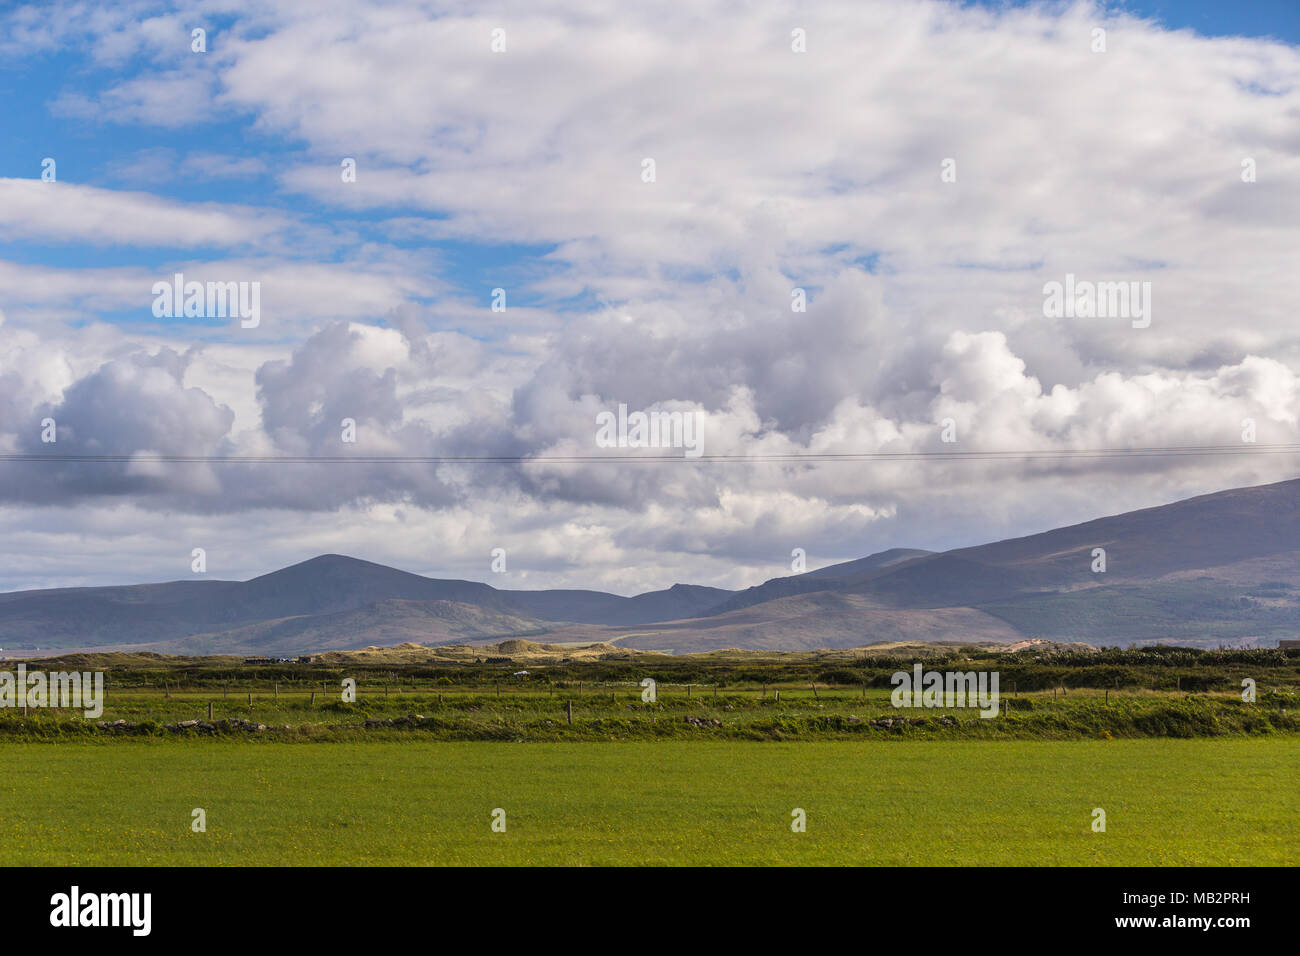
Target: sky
x=812 y=229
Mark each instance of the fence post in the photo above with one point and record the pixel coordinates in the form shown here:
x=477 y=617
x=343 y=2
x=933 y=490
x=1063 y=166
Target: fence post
x=312 y=702
x=209 y=710
x=569 y=707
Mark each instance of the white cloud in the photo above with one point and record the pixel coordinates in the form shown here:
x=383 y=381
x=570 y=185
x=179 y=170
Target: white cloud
x=775 y=169
x=63 y=212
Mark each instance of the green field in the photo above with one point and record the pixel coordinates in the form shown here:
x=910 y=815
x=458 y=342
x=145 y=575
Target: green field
x=1230 y=801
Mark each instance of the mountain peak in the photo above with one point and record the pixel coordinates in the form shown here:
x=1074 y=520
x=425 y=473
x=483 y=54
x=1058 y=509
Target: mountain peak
x=331 y=565
x=331 y=559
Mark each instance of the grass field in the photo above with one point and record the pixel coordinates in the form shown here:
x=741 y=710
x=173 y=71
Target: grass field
x=1168 y=802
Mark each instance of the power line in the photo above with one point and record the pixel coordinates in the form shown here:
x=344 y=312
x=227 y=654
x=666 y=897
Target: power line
x=1067 y=454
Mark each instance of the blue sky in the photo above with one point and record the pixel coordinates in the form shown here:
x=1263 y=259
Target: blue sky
x=1260 y=18
x=1213 y=18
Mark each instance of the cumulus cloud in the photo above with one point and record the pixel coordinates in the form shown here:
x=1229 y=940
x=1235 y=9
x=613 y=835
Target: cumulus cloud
x=777 y=175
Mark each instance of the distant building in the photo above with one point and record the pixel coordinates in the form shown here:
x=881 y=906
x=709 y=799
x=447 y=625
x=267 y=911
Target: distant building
x=1289 y=645
x=305 y=659
x=259 y=660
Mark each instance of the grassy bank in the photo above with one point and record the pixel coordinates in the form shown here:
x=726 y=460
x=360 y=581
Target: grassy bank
x=620 y=714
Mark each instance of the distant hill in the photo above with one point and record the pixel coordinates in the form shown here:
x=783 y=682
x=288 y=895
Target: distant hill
x=1219 y=568
x=1222 y=568
x=384 y=623
x=597 y=607
x=822 y=619
x=330 y=601
x=144 y=614
x=833 y=577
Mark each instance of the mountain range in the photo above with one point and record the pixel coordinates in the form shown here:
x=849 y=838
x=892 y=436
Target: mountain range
x=1222 y=568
